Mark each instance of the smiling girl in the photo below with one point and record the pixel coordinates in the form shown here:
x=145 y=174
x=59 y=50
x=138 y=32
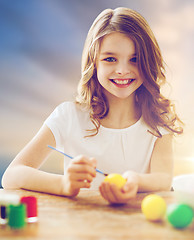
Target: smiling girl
x=119 y=122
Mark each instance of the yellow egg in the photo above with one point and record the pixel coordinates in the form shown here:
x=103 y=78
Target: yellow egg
x=116 y=178
x=153 y=207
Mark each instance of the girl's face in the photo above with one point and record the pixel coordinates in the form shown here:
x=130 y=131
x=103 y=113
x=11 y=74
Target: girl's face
x=117 y=70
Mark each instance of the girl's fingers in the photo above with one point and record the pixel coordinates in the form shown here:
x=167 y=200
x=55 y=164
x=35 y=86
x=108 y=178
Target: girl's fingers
x=102 y=191
x=79 y=174
x=79 y=184
x=107 y=192
x=81 y=168
x=93 y=161
x=129 y=186
x=81 y=177
x=84 y=160
x=124 y=197
x=82 y=164
x=114 y=195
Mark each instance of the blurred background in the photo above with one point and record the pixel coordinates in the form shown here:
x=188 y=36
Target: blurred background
x=41 y=44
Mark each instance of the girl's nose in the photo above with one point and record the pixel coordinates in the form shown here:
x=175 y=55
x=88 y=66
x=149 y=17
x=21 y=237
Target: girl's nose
x=123 y=69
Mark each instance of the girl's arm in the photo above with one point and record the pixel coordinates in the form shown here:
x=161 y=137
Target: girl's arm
x=159 y=177
x=23 y=171
x=161 y=167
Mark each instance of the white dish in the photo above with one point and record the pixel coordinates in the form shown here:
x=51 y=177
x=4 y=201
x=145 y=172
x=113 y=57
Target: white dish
x=183 y=186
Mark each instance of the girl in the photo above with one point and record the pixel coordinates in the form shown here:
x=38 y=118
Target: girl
x=119 y=122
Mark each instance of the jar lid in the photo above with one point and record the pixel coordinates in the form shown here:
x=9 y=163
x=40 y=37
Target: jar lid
x=7 y=199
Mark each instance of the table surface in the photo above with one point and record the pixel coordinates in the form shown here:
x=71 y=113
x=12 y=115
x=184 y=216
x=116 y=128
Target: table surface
x=89 y=216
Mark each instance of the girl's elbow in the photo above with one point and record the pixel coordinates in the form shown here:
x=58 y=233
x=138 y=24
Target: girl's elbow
x=4 y=182
x=167 y=186
x=7 y=181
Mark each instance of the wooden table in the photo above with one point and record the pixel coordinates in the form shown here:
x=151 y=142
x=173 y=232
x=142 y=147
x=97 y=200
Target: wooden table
x=89 y=216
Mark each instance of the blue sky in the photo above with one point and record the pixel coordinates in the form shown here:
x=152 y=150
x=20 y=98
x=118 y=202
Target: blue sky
x=41 y=43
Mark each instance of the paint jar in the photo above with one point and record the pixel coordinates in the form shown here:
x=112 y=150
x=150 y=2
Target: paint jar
x=5 y=201
x=17 y=216
x=31 y=208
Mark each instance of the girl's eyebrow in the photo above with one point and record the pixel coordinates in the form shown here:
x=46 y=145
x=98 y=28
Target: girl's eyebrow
x=108 y=53
x=112 y=53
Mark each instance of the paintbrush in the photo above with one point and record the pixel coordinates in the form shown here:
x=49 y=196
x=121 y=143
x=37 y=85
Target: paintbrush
x=97 y=170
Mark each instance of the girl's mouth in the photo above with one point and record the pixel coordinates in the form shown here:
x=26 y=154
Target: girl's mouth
x=122 y=82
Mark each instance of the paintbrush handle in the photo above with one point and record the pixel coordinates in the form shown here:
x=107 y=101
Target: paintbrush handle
x=60 y=152
x=97 y=170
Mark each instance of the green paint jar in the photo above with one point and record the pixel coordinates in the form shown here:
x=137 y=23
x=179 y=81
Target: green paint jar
x=17 y=216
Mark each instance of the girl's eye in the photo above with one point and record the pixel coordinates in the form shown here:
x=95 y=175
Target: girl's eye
x=110 y=59
x=133 y=60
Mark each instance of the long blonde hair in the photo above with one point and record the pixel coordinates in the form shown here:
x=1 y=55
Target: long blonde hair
x=157 y=111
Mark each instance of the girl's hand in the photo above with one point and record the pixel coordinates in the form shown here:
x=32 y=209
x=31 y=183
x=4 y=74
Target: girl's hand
x=113 y=194
x=79 y=174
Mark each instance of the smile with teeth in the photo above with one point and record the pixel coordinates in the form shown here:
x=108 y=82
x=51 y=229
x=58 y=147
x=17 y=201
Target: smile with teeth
x=122 y=81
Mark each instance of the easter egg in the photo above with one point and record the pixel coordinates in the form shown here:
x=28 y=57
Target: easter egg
x=179 y=215
x=116 y=179
x=153 y=207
